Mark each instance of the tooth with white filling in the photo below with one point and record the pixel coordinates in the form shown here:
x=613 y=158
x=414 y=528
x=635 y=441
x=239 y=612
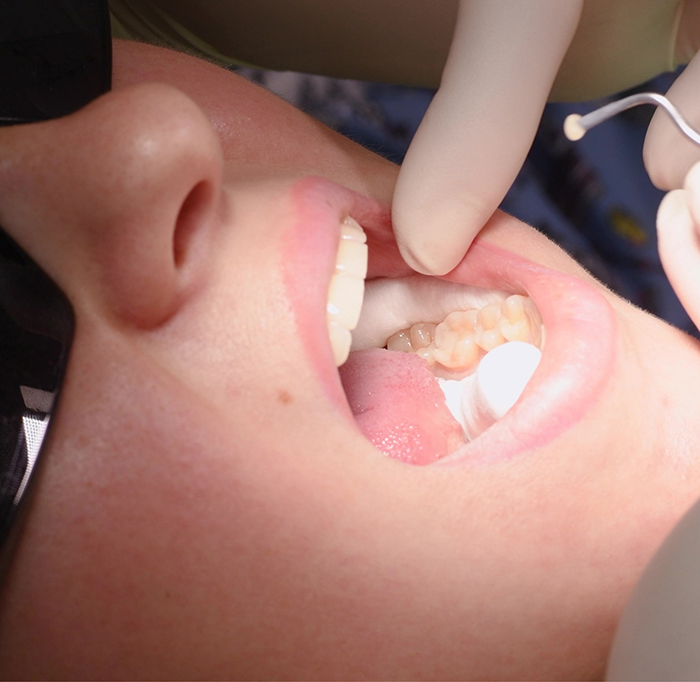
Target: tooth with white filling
x=346 y=288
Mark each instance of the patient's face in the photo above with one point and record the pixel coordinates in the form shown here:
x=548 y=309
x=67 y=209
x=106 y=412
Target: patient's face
x=209 y=507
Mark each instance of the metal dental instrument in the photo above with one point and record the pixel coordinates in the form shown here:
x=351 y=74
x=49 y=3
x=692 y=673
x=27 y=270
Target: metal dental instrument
x=576 y=126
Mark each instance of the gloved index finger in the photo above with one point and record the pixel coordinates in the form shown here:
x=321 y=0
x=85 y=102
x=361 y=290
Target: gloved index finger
x=477 y=131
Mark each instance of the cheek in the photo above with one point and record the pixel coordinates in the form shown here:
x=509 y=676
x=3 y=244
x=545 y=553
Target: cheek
x=235 y=343
x=171 y=523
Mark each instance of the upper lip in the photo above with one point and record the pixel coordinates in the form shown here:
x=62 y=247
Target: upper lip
x=579 y=350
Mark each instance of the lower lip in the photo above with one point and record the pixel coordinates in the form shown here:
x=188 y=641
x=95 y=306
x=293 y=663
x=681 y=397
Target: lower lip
x=577 y=360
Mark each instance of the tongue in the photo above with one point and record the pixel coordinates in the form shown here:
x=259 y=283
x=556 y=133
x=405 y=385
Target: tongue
x=399 y=405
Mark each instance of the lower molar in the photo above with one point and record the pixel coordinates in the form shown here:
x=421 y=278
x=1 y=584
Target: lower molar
x=458 y=343
x=483 y=358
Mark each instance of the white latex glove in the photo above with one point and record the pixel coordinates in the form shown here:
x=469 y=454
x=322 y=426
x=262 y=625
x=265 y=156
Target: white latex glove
x=668 y=154
x=476 y=133
x=678 y=228
x=504 y=58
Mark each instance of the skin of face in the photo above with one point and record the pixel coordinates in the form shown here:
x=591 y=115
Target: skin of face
x=207 y=507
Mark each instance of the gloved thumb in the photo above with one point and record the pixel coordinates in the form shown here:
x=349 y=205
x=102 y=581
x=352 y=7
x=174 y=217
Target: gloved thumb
x=668 y=154
x=678 y=229
x=477 y=131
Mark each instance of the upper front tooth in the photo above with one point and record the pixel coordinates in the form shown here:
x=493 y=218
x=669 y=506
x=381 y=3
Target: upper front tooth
x=345 y=299
x=346 y=288
x=352 y=258
x=350 y=229
x=340 y=338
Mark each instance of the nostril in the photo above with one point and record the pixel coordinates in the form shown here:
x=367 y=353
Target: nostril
x=192 y=216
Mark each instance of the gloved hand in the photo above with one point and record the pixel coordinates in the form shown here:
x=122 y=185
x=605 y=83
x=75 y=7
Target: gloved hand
x=678 y=229
x=504 y=59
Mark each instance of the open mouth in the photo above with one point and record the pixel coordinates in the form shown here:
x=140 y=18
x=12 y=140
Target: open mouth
x=499 y=357
x=442 y=367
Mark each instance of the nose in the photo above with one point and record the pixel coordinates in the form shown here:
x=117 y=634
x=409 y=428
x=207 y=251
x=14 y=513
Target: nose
x=116 y=201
